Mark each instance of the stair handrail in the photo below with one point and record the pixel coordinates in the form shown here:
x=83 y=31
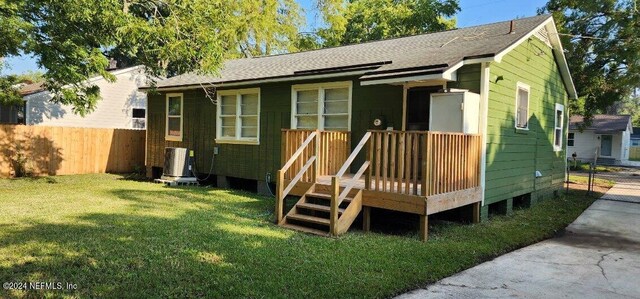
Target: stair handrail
x=299 y=151
x=336 y=196
x=281 y=191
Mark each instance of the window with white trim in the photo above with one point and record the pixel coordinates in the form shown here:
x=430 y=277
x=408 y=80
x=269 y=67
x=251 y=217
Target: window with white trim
x=174 y=117
x=238 y=116
x=522 y=106
x=558 y=131
x=324 y=106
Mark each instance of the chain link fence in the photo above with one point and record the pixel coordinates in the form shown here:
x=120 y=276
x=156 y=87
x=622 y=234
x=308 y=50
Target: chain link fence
x=593 y=178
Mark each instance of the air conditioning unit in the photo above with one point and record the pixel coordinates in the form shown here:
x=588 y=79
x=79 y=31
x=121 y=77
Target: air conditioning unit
x=176 y=162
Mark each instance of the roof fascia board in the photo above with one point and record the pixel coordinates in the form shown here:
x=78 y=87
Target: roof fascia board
x=529 y=34
x=401 y=80
x=449 y=74
x=259 y=81
x=554 y=37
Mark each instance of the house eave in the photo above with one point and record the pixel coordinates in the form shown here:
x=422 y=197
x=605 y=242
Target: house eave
x=449 y=74
x=241 y=83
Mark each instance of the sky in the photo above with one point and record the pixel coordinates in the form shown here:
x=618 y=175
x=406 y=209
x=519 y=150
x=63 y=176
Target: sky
x=473 y=12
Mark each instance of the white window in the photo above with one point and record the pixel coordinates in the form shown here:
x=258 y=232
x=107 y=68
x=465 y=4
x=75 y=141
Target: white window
x=238 y=116
x=558 y=132
x=138 y=117
x=522 y=106
x=325 y=106
x=174 y=117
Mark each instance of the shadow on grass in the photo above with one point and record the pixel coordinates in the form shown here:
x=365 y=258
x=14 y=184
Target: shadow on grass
x=187 y=253
x=200 y=242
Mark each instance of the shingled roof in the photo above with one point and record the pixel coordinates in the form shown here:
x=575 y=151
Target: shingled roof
x=31 y=88
x=419 y=55
x=602 y=123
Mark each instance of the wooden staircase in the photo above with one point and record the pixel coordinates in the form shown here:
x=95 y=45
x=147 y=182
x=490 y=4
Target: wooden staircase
x=312 y=213
x=330 y=213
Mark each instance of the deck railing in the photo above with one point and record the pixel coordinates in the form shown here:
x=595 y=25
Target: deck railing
x=305 y=158
x=333 y=150
x=409 y=162
x=453 y=162
x=307 y=154
x=423 y=163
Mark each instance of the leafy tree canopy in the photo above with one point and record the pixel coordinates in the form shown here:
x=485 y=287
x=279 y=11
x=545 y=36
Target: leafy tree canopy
x=356 y=21
x=602 y=46
x=74 y=39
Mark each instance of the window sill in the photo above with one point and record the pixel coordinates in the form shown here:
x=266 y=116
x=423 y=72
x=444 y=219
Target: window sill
x=522 y=131
x=173 y=138
x=236 y=141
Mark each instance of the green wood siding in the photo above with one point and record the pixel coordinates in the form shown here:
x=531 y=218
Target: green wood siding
x=468 y=78
x=254 y=161
x=510 y=167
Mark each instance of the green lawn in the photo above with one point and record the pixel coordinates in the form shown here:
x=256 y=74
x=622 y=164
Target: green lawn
x=585 y=180
x=584 y=167
x=120 y=238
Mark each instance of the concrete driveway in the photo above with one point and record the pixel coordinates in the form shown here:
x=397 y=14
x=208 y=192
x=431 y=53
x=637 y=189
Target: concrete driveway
x=597 y=257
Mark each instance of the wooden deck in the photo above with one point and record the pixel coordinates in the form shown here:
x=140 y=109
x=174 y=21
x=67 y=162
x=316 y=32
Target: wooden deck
x=421 y=173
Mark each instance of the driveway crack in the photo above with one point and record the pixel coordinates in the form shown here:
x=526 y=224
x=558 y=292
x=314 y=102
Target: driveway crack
x=604 y=274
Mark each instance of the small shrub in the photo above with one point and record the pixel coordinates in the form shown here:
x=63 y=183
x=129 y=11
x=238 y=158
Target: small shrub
x=20 y=164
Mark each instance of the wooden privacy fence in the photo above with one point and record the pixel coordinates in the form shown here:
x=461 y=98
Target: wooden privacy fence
x=634 y=153
x=43 y=150
x=423 y=163
x=334 y=148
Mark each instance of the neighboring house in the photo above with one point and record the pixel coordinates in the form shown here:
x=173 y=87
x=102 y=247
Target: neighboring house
x=121 y=105
x=468 y=117
x=634 y=149
x=605 y=140
x=14 y=114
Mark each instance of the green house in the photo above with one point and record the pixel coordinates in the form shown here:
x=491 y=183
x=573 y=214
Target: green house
x=473 y=117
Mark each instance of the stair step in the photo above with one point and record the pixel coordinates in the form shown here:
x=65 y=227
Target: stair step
x=305 y=229
x=315 y=207
x=325 y=196
x=309 y=219
x=319 y=195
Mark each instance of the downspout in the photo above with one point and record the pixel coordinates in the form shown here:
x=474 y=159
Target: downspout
x=485 y=75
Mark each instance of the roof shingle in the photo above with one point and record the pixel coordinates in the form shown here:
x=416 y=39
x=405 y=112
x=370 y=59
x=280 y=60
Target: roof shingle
x=601 y=123
x=434 y=52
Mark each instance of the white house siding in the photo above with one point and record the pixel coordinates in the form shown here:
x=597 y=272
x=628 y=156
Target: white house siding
x=114 y=110
x=625 y=142
x=584 y=145
x=587 y=142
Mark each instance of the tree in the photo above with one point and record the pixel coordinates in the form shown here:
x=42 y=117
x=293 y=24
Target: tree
x=9 y=94
x=365 y=20
x=74 y=39
x=630 y=106
x=602 y=46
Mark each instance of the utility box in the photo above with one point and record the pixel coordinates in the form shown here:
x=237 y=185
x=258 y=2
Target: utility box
x=455 y=111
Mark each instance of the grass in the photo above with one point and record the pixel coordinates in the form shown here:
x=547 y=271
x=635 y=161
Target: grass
x=584 y=167
x=119 y=238
x=599 y=182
